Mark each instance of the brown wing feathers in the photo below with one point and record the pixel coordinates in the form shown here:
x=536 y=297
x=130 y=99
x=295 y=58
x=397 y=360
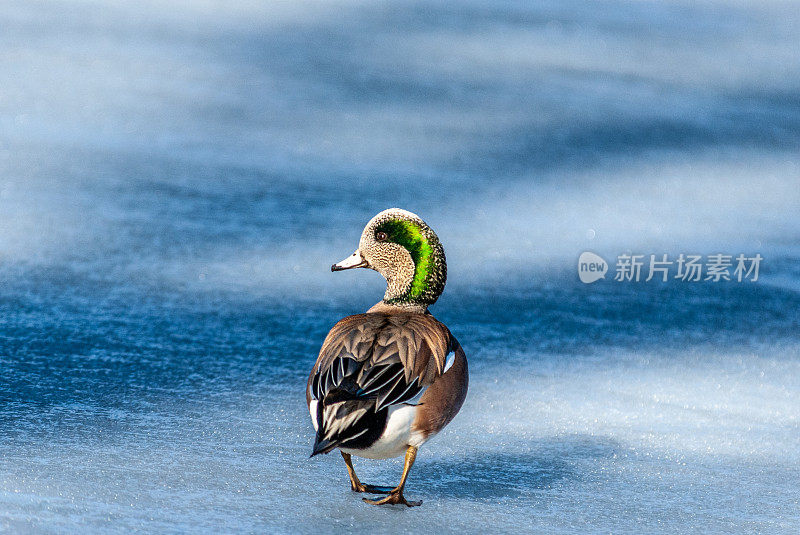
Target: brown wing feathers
x=419 y=342
x=374 y=358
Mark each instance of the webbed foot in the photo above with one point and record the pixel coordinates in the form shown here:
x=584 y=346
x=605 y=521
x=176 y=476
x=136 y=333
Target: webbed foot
x=369 y=489
x=395 y=497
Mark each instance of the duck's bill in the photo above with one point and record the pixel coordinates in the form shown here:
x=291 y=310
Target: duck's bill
x=352 y=261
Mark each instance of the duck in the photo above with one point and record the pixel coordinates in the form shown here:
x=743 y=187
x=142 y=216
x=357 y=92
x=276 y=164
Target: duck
x=388 y=380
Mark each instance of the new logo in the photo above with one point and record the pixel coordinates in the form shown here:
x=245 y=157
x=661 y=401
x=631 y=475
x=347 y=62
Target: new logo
x=591 y=267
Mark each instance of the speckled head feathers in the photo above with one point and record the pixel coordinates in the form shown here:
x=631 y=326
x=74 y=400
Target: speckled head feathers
x=400 y=246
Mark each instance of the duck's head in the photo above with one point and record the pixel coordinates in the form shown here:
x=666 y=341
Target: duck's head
x=404 y=249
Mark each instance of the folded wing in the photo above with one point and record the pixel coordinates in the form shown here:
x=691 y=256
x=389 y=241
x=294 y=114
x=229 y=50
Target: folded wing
x=367 y=364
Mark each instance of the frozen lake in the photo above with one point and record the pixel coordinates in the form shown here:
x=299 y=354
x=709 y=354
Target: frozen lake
x=177 y=177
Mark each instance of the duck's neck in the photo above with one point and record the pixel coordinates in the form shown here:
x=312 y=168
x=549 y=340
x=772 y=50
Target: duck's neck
x=398 y=308
x=401 y=293
x=417 y=282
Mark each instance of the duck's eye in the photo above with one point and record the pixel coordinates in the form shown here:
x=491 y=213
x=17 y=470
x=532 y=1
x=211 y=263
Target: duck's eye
x=381 y=236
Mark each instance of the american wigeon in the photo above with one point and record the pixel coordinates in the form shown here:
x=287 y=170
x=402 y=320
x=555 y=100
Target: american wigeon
x=388 y=380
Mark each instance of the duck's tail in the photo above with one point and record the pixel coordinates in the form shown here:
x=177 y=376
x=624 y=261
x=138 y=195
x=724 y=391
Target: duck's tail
x=323 y=445
x=346 y=422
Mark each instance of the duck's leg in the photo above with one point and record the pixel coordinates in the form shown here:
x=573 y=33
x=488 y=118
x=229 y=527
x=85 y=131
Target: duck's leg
x=355 y=484
x=396 y=495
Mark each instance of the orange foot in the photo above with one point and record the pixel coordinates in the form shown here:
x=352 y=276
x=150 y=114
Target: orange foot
x=395 y=497
x=369 y=489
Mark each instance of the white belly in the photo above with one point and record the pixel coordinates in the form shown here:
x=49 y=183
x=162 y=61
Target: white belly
x=396 y=437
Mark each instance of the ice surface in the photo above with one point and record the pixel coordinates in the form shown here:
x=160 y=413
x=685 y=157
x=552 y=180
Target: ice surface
x=177 y=177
